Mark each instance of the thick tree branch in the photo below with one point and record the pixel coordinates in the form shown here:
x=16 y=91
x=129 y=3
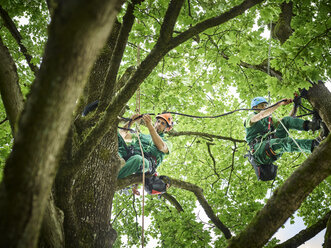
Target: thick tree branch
x=95 y=84
x=52 y=233
x=203 y=202
x=286 y=199
x=122 y=183
x=10 y=25
x=206 y=135
x=282 y=29
x=170 y=19
x=306 y=234
x=320 y=98
x=158 y=52
x=9 y=88
x=76 y=34
x=212 y=22
x=117 y=55
x=173 y=201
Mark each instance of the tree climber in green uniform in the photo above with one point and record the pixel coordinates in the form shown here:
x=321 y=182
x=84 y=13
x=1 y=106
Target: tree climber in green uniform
x=268 y=139
x=154 y=146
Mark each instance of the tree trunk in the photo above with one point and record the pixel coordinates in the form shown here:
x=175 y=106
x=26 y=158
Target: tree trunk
x=76 y=34
x=85 y=196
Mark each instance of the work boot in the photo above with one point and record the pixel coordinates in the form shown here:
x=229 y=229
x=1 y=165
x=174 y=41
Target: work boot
x=315 y=143
x=312 y=125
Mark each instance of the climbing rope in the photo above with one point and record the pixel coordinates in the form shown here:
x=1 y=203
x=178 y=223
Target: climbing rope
x=269 y=50
x=268 y=71
x=142 y=152
x=196 y=116
x=143 y=200
x=290 y=135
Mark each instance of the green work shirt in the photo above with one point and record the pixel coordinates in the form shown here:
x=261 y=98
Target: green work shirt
x=149 y=147
x=257 y=129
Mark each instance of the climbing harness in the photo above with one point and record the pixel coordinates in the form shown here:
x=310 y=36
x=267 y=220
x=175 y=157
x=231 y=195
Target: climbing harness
x=269 y=52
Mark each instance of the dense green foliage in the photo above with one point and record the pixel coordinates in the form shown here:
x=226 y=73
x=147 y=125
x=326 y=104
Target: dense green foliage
x=204 y=76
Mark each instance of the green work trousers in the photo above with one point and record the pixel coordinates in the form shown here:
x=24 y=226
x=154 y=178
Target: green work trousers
x=134 y=164
x=282 y=143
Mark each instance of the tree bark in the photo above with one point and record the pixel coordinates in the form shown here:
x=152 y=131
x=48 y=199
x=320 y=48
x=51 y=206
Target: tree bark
x=320 y=97
x=52 y=233
x=116 y=58
x=282 y=29
x=96 y=81
x=77 y=31
x=85 y=195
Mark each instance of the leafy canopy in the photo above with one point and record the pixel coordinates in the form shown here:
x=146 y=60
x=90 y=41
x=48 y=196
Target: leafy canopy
x=204 y=76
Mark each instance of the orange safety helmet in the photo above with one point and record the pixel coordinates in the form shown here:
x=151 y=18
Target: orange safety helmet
x=168 y=118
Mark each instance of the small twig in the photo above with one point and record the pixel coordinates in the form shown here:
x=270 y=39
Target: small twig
x=296 y=160
x=200 y=134
x=119 y=213
x=3 y=121
x=189 y=8
x=213 y=159
x=10 y=25
x=187 y=149
x=173 y=201
x=232 y=167
x=144 y=12
x=134 y=208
